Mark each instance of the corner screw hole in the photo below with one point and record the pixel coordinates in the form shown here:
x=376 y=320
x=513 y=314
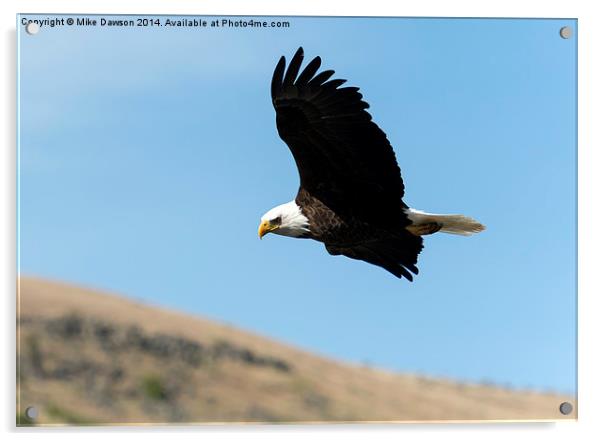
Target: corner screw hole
x=566 y=408
x=31 y=413
x=566 y=32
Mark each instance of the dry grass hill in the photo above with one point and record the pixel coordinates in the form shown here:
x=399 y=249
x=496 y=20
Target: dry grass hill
x=87 y=357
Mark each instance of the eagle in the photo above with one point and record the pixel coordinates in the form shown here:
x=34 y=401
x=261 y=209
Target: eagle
x=351 y=190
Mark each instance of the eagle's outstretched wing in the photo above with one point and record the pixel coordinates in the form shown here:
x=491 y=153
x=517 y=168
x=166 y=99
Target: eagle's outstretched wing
x=344 y=159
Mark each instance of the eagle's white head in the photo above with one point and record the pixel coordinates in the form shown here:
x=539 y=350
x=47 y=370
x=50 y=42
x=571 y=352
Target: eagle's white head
x=286 y=220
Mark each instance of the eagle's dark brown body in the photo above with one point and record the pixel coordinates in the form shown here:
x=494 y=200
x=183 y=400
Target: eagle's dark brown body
x=351 y=237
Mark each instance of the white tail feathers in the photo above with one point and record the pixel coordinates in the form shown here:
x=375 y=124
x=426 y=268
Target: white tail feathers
x=448 y=223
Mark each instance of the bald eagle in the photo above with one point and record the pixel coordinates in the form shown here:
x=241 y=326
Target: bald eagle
x=351 y=190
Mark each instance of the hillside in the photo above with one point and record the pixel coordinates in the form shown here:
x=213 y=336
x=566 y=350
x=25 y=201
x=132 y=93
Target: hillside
x=87 y=357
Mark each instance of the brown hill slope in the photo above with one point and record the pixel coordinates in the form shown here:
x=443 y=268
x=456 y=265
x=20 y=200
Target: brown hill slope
x=91 y=358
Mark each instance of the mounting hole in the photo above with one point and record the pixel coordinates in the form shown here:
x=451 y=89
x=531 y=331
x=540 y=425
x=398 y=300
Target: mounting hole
x=31 y=413
x=566 y=32
x=32 y=28
x=566 y=408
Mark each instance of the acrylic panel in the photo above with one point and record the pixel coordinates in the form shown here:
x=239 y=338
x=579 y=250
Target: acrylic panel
x=437 y=276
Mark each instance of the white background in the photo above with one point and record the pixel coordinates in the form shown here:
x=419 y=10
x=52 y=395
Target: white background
x=590 y=220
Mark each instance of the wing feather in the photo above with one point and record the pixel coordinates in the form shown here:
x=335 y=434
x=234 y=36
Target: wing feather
x=320 y=78
x=309 y=71
x=293 y=68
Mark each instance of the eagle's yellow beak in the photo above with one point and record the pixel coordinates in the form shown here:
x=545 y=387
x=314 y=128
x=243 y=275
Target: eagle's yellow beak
x=266 y=227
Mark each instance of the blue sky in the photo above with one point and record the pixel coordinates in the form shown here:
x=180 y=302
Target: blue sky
x=148 y=155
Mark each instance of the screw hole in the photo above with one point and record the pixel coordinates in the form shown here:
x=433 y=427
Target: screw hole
x=32 y=28
x=566 y=32
x=566 y=408
x=31 y=413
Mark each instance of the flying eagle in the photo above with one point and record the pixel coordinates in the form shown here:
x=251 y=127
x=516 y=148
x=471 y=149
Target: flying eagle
x=350 y=195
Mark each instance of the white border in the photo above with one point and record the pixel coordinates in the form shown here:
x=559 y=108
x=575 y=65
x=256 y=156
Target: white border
x=590 y=221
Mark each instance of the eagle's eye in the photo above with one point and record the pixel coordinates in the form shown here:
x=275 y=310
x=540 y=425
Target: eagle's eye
x=277 y=220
